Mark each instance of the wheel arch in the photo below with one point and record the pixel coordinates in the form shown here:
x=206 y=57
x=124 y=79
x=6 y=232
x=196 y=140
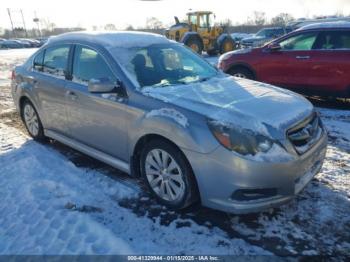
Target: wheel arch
x=136 y=156
x=242 y=65
x=21 y=101
x=141 y=142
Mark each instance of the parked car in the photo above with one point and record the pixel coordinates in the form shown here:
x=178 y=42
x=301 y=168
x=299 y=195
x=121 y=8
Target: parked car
x=304 y=22
x=30 y=42
x=7 y=44
x=237 y=37
x=42 y=40
x=263 y=36
x=153 y=108
x=314 y=60
x=24 y=42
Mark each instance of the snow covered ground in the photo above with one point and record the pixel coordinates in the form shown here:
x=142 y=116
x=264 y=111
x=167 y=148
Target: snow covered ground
x=55 y=200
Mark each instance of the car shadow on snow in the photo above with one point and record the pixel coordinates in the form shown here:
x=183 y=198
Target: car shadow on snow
x=334 y=103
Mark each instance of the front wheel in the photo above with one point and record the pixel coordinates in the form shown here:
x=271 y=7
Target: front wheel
x=168 y=174
x=195 y=45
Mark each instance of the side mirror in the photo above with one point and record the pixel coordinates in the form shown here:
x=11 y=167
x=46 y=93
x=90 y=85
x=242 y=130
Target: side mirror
x=274 y=47
x=103 y=86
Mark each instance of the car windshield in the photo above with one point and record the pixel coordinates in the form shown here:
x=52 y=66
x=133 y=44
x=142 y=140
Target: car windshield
x=161 y=65
x=266 y=32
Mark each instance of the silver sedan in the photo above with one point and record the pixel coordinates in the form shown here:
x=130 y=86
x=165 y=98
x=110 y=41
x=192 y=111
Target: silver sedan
x=153 y=108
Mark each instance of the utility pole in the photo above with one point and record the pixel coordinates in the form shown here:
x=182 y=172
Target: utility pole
x=36 y=20
x=24 y=24
x=13 y=30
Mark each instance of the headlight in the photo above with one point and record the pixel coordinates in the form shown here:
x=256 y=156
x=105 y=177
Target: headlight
x=242 y=141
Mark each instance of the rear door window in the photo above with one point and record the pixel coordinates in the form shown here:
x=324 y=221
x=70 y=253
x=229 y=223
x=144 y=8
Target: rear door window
x=303 y=41
x=89 y=64
x=56 y=60
x=38 y=61
x=333 y=40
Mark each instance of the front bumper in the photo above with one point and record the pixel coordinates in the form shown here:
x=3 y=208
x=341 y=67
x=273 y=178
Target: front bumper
x=221 y=173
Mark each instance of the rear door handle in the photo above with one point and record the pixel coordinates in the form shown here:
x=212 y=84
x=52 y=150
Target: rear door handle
x=302 y=57
x=72 y=95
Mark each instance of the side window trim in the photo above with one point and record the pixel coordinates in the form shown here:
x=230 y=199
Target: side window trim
x=69 y=75
x=99 y=53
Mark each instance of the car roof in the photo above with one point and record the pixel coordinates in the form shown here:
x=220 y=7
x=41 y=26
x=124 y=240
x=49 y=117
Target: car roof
x=333 y=25
x=112 y=38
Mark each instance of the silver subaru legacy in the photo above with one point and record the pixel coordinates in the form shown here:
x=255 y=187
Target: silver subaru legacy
x=153 y=108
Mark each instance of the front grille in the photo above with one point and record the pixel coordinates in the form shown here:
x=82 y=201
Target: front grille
x=304 y=135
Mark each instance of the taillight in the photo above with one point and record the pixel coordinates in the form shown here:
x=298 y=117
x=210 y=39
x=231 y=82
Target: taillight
x=13 y=75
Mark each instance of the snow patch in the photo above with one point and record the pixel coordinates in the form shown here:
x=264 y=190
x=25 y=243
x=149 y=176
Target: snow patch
x=275 y=154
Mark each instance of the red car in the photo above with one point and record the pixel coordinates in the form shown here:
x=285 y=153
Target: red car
x=314 y=60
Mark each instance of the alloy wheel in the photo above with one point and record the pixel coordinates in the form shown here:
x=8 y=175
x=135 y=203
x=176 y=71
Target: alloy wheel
x=240 y=75
x=31 y=120
x=164 y=175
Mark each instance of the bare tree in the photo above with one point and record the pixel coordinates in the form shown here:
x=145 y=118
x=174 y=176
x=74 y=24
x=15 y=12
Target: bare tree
x=129 y=28
x=110 y=27
x=153 y=23
x=259 y=18
x=227 y=22
x=282 y=19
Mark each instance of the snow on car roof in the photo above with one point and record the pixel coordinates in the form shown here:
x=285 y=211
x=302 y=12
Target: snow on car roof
x=338 y=24
x=113 y=38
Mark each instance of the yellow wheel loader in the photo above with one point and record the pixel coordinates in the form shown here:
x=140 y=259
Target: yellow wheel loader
x=200 y=34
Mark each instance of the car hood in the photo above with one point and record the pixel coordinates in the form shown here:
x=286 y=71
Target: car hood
x=243 y=103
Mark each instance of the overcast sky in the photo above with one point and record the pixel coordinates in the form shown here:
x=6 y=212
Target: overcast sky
x=71 y=13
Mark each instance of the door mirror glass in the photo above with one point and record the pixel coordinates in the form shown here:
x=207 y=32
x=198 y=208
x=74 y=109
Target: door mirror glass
x=102 y=86
x=274 y=46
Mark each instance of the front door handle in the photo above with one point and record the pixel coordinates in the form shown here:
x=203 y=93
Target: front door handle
x=302 y=57
x=72 y=95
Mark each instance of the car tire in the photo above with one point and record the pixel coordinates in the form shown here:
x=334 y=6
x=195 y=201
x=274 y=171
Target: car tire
x=32 y=121
x=195 y=44
x=175 y=188
x=227 y=45
x=241 y=73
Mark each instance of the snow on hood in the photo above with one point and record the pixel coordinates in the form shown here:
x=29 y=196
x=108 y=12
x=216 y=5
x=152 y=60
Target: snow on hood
x=244 y=103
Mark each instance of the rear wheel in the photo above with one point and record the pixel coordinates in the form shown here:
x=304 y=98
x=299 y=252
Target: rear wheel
x=195 y=44
x=32 y=121
x=227 y=45
x=168 y=174
x=241 y=73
